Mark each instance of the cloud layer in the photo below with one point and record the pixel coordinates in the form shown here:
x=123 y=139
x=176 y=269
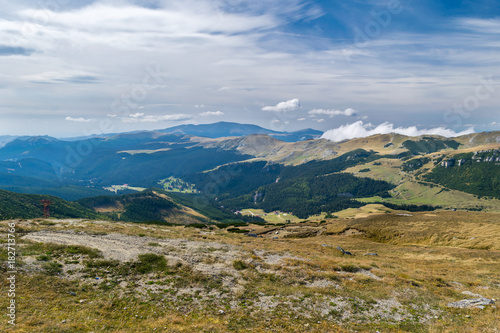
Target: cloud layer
x=241 y=57
x=360 y=130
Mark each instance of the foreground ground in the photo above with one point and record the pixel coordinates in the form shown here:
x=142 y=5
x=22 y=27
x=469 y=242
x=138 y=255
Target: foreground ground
x=97 y=276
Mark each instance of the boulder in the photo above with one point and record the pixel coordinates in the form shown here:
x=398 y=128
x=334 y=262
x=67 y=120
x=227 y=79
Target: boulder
x=344 y=251
x=479 y=303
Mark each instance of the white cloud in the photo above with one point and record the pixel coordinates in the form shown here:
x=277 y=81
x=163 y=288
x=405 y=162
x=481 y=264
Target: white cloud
x=361 y=130
x=214 y=44
x=177 y=19
x=333 y=113
x=199 y=106
x=142 y=118
x=211 y=113
x=491 y=26
x=301 y=119
x=136 y=115
x=320 y=120
x=79 y=120
x=290 y=105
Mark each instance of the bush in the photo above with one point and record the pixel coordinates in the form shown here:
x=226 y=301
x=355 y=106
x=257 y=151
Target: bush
x=102 y=263
x=150 y=262
x=196 y=225
x=78 y=249
x=239 y=265
x=52 y=268
x=43 y=257
x=238 y=231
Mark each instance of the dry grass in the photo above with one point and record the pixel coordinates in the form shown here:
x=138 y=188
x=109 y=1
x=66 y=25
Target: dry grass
x=424 y=261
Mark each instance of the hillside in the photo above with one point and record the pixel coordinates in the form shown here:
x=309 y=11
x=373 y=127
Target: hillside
x=407 y=272
x=145 y=206
x=87 y=167
x=303 y=190
x=157 y=205
x=227 y=129
x=477 y=173
x=4 y=139
x=25 y=206
x=465 y=178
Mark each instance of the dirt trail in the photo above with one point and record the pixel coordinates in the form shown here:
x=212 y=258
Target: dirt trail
x=127 y=248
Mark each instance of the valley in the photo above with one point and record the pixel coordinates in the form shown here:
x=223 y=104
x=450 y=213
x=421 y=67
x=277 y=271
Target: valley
x=260 y=172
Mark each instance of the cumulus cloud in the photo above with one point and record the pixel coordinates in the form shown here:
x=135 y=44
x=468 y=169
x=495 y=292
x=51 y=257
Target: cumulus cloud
x=79 y=120
x=333 y=113
x=140 y=117
x=290 y=105
x=361 y=130
x=211 y=113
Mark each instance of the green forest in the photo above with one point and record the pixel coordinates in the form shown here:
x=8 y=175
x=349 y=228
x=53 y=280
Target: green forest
x=26 y=206
x=305 y=190
x=479 y=178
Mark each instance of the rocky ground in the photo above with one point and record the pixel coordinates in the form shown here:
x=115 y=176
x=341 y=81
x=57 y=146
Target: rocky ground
x=273 y=276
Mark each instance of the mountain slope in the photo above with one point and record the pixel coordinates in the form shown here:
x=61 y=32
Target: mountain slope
x=16 y=205
x=149 y=205
x=82 y=168
x=272 y=149
x=304 y=190
x=229 y=129
x=4 y=139
x=477 y=173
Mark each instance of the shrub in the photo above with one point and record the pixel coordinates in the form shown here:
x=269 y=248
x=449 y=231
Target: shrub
x=102 y=263
x=239 y=265
x=52 y=268
x=150 y=262
x=238 y=231
x=78 y=249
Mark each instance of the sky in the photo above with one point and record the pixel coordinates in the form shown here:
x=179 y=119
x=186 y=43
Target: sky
x=350 y=68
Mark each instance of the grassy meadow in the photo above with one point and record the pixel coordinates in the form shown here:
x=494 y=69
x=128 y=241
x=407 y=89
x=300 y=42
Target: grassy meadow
x=289 y=279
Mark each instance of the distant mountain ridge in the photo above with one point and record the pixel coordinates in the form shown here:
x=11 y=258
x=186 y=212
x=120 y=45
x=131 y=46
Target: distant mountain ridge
x=215 y=158
x=4 y=139
x=229 y=129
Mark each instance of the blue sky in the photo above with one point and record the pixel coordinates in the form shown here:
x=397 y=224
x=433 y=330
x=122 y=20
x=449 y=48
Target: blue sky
x=72 y=68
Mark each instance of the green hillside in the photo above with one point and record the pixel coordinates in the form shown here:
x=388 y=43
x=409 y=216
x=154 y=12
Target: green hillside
x=476 y=176
x=26 y=206
x=138 y=207
x=230 y=174
x=429 y=145
x=305 y=190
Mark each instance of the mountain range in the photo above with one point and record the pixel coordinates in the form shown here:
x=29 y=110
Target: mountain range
x=245 y=166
